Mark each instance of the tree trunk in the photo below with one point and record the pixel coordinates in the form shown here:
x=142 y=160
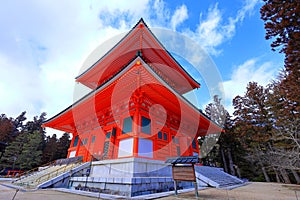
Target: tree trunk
x=230 y=161
x=277 y=175
x=223 y=159
x=285 y=176
x=297 y=178
x=238 y=172
x=1 y=155
x=267 y=178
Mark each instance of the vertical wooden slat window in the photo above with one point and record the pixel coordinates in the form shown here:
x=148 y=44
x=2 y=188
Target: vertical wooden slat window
x=165 y=137
x=159 y=135
x=75 y=141
x=127 y=125
x=146 y=125
x=113 y=133
x=194 y=144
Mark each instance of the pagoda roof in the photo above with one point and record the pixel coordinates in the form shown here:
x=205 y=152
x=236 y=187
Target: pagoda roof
x=139 y=41
x=137 y=75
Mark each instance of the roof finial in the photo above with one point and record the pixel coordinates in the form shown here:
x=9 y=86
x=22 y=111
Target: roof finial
x=139 y=53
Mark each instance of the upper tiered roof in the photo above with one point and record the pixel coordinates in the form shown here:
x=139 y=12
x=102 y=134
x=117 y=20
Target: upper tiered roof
x=121 y=86
x=140 y=41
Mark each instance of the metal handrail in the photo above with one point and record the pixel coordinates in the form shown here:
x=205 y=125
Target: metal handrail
x=55 y=173
x=27 y=173
x=35 y=179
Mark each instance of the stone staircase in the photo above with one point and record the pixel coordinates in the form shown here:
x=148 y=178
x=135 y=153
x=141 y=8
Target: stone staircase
x=216 y=177
x=50 y=175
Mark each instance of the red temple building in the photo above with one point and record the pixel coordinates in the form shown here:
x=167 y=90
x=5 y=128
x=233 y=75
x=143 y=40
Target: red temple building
x=136 y=107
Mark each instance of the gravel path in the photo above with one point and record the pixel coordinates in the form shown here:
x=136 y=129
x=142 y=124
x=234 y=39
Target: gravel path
x=252 y=191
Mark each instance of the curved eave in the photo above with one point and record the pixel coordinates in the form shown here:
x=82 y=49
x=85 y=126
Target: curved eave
x=89 y=76
x=65 y=120
x=213 y=125
x=195 y=83
x=68 y=110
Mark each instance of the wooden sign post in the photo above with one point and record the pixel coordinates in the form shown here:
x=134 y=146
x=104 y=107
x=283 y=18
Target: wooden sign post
x=183 y=170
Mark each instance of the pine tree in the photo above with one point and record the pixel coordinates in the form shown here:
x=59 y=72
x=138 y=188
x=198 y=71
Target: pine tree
x=49 y=152
x=19 y=123
x=30 y=156
x=10 y=128
x=285 y=150
x=282 y=26
x=216 y=111
x=253 y=126
x=227 y=144
x=6 y=129
x=63 y=145
x=281 y=19
x=13 y=152
x=25 y=138
x=36 y=126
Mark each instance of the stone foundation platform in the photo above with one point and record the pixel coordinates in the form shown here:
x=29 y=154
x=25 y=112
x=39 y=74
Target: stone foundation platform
x=128 y=177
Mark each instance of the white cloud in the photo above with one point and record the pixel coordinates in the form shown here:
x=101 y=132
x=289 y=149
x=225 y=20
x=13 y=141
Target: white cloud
x=180 y=15
x=19 y=89
x=213 y=29
x=251 y=70
x=241 y=14
x=44 y=45
x=246 y=9
x=160 y=12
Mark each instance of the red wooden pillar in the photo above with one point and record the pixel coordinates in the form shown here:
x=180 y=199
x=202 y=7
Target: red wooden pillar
x=183 y=145
x=197 y=147
x=71 y=145
x=78 y=145
x=136 y=122
x=137 y=100
x=188 y=150
x=88 y=153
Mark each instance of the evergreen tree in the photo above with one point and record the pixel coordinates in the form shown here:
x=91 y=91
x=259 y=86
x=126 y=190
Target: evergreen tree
x=50 y=150
x=10 y=128
x=268 y=134
x=285 y=150
x=282 y=26
x=18 y=123
x=36 y=126
x=252 y=125
x=30 y=156
x=24 y=139
x=227 y=144
x=216 y=111
x=6 y=129
x=63 y=145
x=13 y=152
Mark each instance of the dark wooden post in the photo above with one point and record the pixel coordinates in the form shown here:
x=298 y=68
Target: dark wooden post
x=183 y=170
x=175 y=187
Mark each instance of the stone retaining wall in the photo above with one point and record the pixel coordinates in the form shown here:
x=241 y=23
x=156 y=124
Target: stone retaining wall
x=128 y=177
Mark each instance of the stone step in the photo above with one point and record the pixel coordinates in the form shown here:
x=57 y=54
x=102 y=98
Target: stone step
x=34 y=179
x=216 y=177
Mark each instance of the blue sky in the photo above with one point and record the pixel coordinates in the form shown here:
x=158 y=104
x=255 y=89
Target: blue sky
x=45 y=43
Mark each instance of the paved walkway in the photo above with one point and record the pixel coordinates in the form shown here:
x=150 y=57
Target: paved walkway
x=253 y=191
